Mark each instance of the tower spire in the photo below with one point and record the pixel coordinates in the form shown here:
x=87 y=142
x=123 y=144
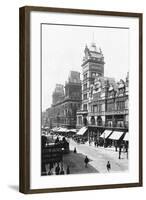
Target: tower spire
x=93 y=45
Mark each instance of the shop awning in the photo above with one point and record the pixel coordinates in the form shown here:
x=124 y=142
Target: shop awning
x=82 y=131
x=116 y=135
x=62 y=129
x=72 y=130
x=55 y=129
x=126 y=137
x=105 y=134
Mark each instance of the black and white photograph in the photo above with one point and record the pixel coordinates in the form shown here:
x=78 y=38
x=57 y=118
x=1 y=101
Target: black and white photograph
x=85 y=99
x=81 y=114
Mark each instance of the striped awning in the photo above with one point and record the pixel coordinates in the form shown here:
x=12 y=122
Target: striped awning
x=72 y=130
x=82 y=131
x=126 y=137
x=62 y=129
x=55 y=129
x=106 y=133
x=116 y=135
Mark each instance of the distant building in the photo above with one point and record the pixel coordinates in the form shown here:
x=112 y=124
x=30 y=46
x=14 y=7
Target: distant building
x=66 y=100
x=44 y=119
x=58 y=94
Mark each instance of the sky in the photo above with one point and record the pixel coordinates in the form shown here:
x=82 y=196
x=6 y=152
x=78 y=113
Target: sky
x=63 y=51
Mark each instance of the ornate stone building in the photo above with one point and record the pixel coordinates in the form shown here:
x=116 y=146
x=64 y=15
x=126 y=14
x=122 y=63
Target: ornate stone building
x=66 y=100
x=104 y=101
x=92 y=66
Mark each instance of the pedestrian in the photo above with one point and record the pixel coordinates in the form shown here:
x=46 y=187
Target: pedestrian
x=68 y=170
x=57 y=169
x=123 y=148
x=108 y=166
x=51 y=165
x=57 y=140
x=62 y=171
x=75 y=150
x=86 y=161
x=95 y=143
x=43 y=141
x=50 y=172
x=126 y=148
x=120 y=149
x=116 y=146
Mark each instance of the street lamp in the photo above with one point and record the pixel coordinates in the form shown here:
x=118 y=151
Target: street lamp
x=104 y=139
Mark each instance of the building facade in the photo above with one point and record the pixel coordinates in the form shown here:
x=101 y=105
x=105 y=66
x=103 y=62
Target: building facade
x=66 y=100
x=104 y=101
x=97 y=102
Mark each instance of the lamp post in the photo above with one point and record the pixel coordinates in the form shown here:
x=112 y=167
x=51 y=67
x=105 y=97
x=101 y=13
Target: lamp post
x=88 y=136
x=104 y=139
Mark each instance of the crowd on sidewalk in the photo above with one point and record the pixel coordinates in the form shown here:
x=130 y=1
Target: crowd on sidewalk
x=57 y=169
x=121 y=149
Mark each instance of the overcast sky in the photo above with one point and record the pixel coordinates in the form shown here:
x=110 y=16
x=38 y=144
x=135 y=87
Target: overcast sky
x=63 y=51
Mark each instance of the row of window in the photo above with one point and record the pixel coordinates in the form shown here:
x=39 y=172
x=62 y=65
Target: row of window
x=120 y=105
x=93 y=74
x=110 y=94
x=96 y=108
x=64 y=121
x=120 y=123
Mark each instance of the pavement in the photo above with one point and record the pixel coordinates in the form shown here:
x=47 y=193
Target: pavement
x=75 y=161
x=98 y=158
x=76 y=164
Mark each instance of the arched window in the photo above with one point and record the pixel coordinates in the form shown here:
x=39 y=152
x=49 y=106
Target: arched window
x=85 y=121
x=92 y=120
x=99 y=121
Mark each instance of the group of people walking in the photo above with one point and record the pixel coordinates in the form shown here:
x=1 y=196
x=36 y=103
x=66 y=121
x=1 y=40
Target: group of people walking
x=59 y=170
x=123 y=149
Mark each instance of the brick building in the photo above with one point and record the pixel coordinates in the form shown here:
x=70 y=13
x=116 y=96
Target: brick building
x=104 y=101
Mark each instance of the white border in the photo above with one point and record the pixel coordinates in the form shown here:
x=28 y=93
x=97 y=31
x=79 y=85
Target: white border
x=38 y=182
